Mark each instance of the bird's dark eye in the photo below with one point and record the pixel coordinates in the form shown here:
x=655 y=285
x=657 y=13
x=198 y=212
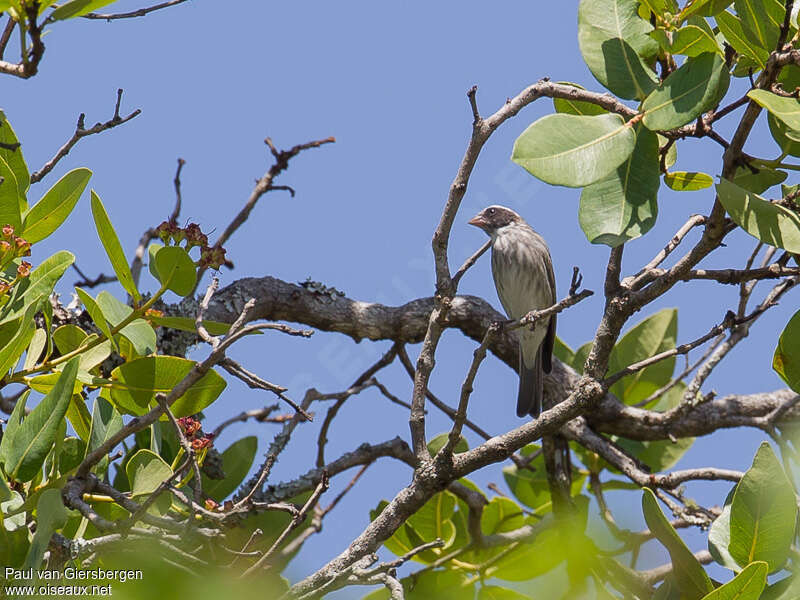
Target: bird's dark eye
x=491 y=211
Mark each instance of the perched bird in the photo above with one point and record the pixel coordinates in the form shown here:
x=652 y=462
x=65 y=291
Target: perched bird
x=523 y=276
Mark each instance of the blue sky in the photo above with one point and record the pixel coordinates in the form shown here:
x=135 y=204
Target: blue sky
x=389 y=81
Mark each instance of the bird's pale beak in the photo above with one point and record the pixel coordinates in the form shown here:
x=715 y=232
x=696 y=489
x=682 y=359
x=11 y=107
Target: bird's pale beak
x=478 y=221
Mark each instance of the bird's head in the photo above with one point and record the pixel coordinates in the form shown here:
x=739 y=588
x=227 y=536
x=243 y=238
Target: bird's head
x=492 y=218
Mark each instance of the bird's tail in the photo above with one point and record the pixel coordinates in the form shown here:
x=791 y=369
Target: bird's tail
x=531 y=387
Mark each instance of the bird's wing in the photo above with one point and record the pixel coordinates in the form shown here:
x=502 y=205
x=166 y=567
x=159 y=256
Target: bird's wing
x=550 y=337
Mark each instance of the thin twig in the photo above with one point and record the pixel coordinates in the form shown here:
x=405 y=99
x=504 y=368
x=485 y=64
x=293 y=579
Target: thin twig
x=132 y=14
x=81 y=132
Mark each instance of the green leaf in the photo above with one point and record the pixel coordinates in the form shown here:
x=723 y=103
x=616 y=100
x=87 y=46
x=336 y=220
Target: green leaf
x=732 y=28
x=50 y=515
x=719 y=537
x=11 y=352
x=531 y=487
x=68 y=337
x=236 y=462
x=691 y=577
x=690 y=40
x=77 y=8
x=784 y=108
x=187 y=324
x=787 y=588
x=14 y=159
x=789 y=79
x=655 y=334
x=759 y=182
x=138 y=381
x=687 y=93
x=614 y=40
x=437 y=443
x=563 y=352
x=576 y=107
x=747 y=585
x=146 y=471
x=106 y=422
x=176 y=270
x=786 y=359
x=763 y=513
x=660 y=455
x=624 y=205
x=10 y=199
x=705 y=8
x=96 y=313
x=495 y=592
x=113 y=248
x=761 y=20
x=574 y=150
x=35 y=348
x=38 y=286
x=52 y=210
x=687 y=181
x=138 y=332
x=79 y=416
x=25 y=452
x=769 y=222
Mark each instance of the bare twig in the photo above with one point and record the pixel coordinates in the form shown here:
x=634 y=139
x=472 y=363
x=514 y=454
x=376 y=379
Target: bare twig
x=134 y=13
x=81 y=132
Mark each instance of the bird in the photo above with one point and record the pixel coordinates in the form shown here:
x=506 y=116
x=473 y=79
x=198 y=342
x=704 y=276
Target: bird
x=523 y=276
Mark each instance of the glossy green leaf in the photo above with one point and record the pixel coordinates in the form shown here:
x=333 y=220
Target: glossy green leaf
x=576 y=107
x=786 y=359
x=769 y=222
x=10 y=198
x=787 y=588
x=38 y=286
x=138 y=381
x=614 y=42
x=784 y=108
x=106 y=422
x=690 y=40
x=138 y=332
x=719 y=537
x=112 y=246
x=52 y=210
x=657 y=333
x=95 y=312
x=77 y=8
x=687 y=181
x=176 y=270
x=436 y=443
x=574 y=150
x=50 y=515
x=687 y=93
x=24 y=453
x=35 y=348
x=68 y=337
x=732 y=28
x=692 y=579
x=79 y=417
x=495 y=592
x=187 y=324
x=763 y=513
x=146 y=471
x=761 y=20
x=759 y=182
x=624 y=205
x=563 y=352
x=14 y=159
x=789 y=79
x=236 y=462
x=12 y=351
x=704 y=8
x=747 y=585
